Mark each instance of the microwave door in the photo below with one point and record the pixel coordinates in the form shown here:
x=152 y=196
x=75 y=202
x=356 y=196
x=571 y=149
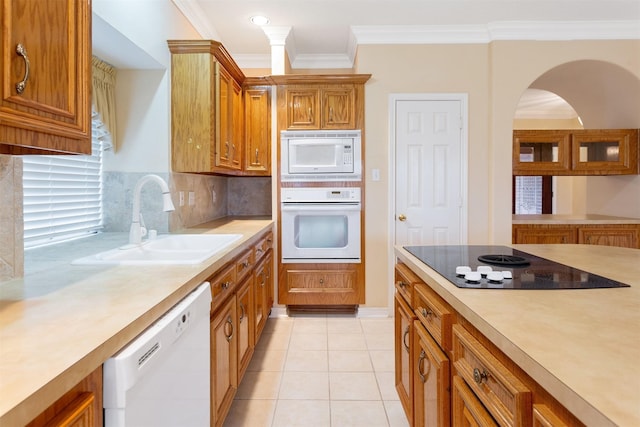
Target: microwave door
x=323 y=156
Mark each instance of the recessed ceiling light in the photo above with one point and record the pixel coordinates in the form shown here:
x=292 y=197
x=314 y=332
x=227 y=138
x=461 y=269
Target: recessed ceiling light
x=259 y=20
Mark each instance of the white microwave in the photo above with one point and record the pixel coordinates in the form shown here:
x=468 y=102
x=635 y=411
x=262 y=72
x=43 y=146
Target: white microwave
x=321 y=155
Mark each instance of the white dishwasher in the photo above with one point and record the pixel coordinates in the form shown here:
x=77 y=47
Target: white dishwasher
x=162 y=378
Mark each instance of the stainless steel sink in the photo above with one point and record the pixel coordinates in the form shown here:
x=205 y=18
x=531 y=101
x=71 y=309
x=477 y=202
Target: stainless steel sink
x=167 y=249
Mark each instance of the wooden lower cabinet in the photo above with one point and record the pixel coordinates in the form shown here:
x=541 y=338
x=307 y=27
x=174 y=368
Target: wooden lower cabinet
x=321 y=284
x=626 y=236
x=263 y=288
x=403 y=348
x=431 y=381
x=467 y=409
x=623 y=235
x=544 y=234
x=224 y=361
x=246 y=323
x=239 y=310
x=79 y=407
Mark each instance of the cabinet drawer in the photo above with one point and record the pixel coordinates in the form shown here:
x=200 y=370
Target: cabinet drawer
x=311 y=280
x=263 y=246
x=467 y=410
x=222 y=284
x=405 y=281
x=244 y=264
x=544 y=417
x=502 y=393
x=436 y=317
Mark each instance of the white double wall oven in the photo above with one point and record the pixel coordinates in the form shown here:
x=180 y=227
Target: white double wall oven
x=321 y=223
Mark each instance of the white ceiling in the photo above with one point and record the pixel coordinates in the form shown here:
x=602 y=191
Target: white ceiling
x=324 y=33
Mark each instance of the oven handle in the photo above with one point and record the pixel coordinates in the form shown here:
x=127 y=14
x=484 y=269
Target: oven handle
x=356 y=206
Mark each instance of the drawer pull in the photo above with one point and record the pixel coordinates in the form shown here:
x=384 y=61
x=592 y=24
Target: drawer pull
x=480 y=377
x=21 y=51
x=404 y=338
x=225 y=285
x=402 y=284
x=230 y=323
x=423 y=375
x=426 y=312
x=245 y=264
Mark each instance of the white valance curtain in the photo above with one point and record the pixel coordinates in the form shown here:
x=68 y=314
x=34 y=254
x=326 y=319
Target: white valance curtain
x=104 y=99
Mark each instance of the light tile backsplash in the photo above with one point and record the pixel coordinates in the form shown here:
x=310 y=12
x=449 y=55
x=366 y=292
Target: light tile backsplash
x=11 y=218
x=214 y=196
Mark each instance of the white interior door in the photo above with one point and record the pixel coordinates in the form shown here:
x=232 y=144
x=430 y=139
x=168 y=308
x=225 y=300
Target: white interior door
x=430 y=171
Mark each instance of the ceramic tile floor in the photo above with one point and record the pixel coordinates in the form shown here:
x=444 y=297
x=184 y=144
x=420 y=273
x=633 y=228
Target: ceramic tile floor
x=325 y=371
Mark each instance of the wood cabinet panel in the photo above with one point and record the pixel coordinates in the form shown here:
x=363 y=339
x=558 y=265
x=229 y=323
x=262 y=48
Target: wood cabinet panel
x=506 y=398
x=45 y=102
x=541 y=234
x=338 y=108
x=263 y=282
x=431 y=379
x=436 y=316
x=257 y=116
x=303 y=107
x=224 y=360
x=246 y=324
x=404 y=342
x=79 y=407
x=627 y=236
x=321 y=284
x=467 y=409
x=623 y=235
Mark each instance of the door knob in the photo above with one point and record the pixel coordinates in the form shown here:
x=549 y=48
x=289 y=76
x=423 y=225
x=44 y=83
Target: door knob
x=401 y=217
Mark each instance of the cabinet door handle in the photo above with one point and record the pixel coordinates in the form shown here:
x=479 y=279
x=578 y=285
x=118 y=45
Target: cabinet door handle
x=423 y=375
x=241 y=312
x=21 y=51
x=404 y=338
x=480 y=376
x=426 y=312
x=230 y=323
x=310 y=116
x=331 y=114
x=257 y=161
x=226 y=145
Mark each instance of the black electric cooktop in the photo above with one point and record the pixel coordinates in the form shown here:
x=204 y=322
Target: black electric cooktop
x=527 y=271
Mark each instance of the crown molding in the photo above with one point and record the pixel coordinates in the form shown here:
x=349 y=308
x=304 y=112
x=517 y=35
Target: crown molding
x=196 y=16
x=303 y=61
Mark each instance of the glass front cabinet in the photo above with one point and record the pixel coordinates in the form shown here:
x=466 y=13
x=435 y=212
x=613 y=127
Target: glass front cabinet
x=575 y=152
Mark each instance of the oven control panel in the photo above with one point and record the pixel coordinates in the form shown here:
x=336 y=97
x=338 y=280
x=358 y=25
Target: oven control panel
x=320 y=194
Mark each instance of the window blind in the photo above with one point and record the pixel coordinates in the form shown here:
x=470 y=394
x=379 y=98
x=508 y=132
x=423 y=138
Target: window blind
x=63 y=194
x=528 y=197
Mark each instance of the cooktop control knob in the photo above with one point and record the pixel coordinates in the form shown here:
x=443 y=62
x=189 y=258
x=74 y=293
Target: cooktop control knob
x=462 y=270
x=507 y=275
x=484 y=270
x=473 y=277
x=495 y=276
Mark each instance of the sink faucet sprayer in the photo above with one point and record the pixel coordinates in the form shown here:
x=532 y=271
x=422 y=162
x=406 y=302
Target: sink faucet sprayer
x=138 y=229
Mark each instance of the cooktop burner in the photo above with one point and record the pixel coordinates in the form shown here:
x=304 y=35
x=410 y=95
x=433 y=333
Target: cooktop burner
x=502 y=267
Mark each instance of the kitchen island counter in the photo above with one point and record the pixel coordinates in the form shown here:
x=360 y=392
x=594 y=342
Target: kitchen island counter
x=61 y=321
x=572 y=219
x=581 y=345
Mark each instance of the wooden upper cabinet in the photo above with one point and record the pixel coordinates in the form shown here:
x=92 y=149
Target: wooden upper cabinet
x=338 y=108
x=575 y=152
x=257 y=116
x=303 y=106
x=207 y=109
x=320 y=101
x=605 y=152
x=46 y=70
x=541 y=152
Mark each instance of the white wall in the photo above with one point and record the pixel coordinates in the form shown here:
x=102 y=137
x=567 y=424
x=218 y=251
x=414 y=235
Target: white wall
x=132 y=35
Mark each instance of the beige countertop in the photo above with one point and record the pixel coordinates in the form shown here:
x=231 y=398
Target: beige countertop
x=61 y=321
x=572 y=219
x=581 y=345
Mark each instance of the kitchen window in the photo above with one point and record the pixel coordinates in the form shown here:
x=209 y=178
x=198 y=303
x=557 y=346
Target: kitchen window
x=63 y=194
